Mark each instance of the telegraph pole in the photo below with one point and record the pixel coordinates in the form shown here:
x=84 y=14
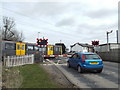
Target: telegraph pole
x=107 y=35
x=1 y=50
x=108 y=38
x=117 y=35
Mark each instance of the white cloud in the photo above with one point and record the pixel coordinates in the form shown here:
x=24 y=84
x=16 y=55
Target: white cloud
x=70 y=22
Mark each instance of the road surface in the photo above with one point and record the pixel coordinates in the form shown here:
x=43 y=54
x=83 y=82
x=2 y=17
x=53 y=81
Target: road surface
x=107 y=79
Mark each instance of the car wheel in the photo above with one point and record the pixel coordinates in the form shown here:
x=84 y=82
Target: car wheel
x=99 y=71
x=79 y=69
x=68 y=65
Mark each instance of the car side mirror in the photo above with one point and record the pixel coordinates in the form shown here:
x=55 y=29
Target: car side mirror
x=70 y=57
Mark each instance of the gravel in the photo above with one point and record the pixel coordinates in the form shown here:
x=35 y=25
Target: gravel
x=57 y=76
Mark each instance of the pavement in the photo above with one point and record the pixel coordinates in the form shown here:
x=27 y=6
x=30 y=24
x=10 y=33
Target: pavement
x=57 y=76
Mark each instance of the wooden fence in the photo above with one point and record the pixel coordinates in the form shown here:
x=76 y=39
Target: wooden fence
x=18 y=60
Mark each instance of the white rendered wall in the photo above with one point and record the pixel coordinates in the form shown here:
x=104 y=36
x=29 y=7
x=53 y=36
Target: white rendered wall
x=78 y=48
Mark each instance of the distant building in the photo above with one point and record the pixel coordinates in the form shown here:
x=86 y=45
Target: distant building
x=79 y=47
x=106 y=47
x=109 y=52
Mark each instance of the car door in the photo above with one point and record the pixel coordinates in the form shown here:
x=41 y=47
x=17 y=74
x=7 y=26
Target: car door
x=71 y=60
x=74 y=60
x=77 y=60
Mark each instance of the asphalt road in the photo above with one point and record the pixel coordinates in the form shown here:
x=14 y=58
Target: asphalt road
x=107 y=79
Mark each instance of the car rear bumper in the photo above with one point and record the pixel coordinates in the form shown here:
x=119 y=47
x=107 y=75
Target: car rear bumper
x=91 y=67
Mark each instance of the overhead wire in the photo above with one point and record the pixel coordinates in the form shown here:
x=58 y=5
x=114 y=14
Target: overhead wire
x=36 y=26
x=64 y=33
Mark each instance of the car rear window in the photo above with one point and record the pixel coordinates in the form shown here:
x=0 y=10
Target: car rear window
x=92 y=56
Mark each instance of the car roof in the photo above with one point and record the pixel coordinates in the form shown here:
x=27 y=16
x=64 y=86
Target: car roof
x=86 y=53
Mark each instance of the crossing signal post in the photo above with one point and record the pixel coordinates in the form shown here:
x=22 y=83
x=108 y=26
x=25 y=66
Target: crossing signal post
x=42 y=41
x=95 y=43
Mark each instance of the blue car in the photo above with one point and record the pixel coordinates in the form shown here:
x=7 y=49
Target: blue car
x=85 y=61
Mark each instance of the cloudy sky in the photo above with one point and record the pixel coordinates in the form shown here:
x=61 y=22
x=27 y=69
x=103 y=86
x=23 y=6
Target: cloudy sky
x=69 y=21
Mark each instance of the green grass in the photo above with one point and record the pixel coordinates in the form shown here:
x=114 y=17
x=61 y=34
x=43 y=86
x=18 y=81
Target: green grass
x=11 y=77
x=34 y=76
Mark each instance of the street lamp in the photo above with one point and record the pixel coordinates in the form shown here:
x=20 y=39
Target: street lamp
x=117 y=35
x=107 y=35
x=38 y=34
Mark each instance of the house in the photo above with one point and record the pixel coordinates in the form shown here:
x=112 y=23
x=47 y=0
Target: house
x=80 y=47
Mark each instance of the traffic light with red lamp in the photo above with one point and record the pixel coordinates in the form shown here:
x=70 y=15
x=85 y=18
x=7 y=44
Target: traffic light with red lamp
x=95 y=43
x=42 y=41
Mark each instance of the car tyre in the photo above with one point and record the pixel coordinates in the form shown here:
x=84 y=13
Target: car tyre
x=68 y=65
x=79 y=69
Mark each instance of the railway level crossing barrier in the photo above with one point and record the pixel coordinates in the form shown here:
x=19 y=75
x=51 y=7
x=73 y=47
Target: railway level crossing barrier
x=57 y=55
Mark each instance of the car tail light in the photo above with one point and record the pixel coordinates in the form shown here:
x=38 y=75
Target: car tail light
x=83 y=57
x=99 y=57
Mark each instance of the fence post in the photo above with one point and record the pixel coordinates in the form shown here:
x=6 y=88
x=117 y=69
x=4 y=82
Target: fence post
x=22 y=60
x=12 y=60
x=4 y=62
x=27 y=58
x=32 y=58
x=17 y=60
x=8 y=61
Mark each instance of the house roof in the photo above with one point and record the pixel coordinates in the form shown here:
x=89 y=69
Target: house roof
x=83 y=45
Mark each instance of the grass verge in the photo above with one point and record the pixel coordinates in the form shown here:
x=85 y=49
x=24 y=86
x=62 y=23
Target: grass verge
x=27 y=76
x=34 y=76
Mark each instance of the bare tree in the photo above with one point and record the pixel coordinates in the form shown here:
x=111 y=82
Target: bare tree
x=9 y=31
